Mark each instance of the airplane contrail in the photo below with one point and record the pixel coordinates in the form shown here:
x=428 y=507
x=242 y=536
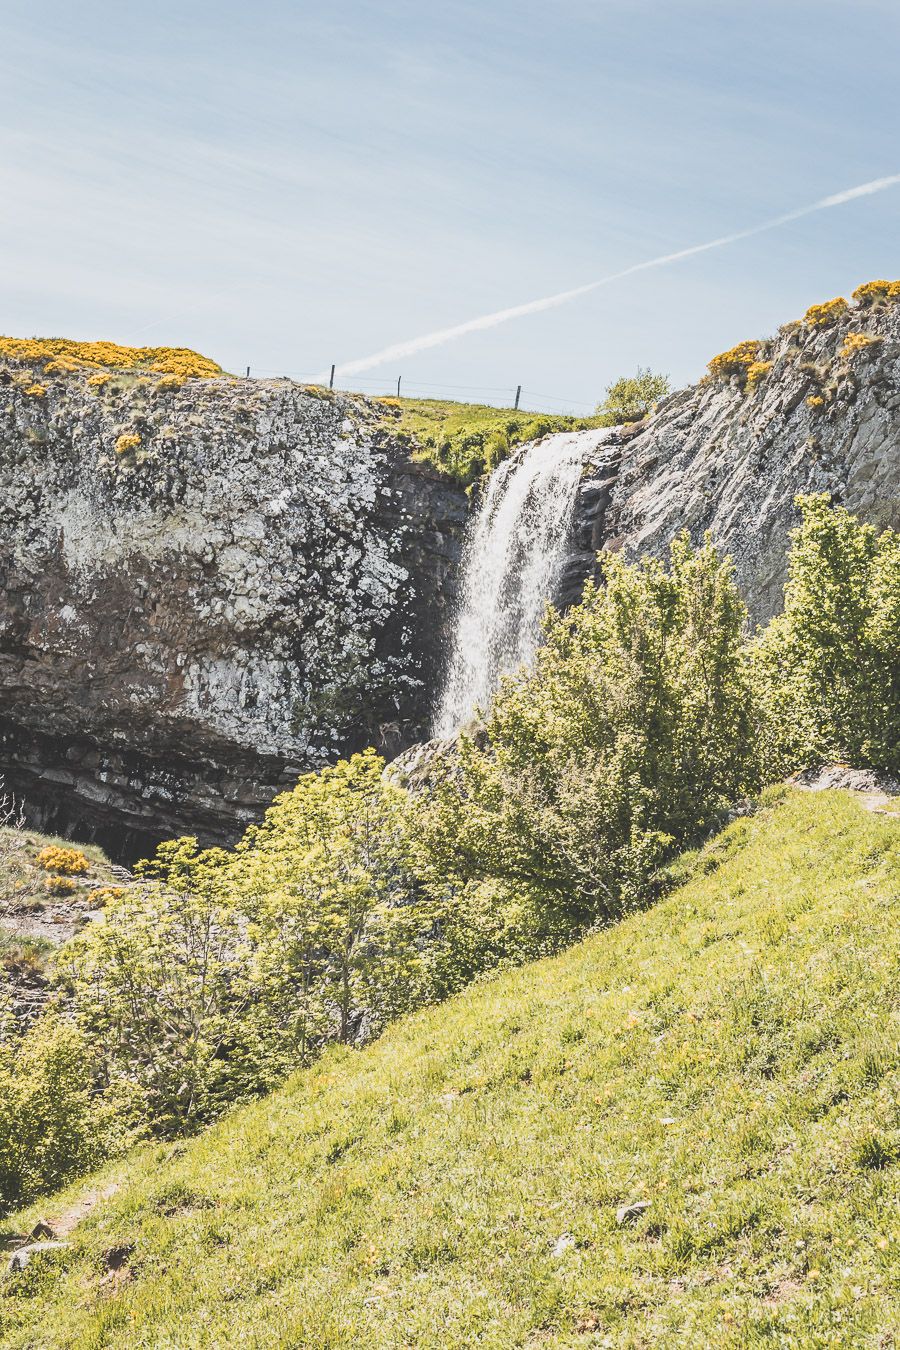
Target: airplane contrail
x=442 y=335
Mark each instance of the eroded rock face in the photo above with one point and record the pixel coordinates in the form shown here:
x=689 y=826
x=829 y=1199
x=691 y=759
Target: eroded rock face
x=259 y=584
x=731 y=460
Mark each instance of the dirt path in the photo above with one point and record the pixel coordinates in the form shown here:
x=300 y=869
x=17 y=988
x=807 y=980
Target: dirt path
x=64 y=1223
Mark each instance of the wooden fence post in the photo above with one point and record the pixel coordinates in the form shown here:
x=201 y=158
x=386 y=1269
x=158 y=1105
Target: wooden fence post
x=518 y=394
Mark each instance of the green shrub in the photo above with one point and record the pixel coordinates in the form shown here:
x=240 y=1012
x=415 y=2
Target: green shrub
x=228 y=969
x=828 y=667
x=633 y=396
x=53 y=1122
x=633 y=730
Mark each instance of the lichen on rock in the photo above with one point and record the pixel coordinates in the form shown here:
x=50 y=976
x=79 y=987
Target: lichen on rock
x=209 y=585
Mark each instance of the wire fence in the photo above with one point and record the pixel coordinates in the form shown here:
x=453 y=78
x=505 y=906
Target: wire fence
x=499 y=396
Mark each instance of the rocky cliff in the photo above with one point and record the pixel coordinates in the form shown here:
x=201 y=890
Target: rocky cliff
x=816 y=409
x=206 y=587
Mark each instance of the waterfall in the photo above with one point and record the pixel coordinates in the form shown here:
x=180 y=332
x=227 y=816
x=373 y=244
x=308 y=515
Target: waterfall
x=512 y=558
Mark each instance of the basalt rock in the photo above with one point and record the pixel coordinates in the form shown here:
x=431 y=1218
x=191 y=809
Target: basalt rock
x=205 y=591
x=729 y=458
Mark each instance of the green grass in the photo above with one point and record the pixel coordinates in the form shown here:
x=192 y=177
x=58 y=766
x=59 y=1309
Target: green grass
x=466 y=439
x=730 y=1057
x=24 y=895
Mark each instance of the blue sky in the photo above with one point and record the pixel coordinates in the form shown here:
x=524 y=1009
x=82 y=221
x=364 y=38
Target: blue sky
x=286 y=185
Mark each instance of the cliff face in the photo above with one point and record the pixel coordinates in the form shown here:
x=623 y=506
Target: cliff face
x=208 y=588
x=729 y=457
x=204 y=591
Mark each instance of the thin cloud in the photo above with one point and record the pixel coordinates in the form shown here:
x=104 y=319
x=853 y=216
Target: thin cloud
x=484 y=321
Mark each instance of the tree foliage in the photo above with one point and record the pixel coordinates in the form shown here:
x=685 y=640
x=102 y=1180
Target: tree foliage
x=53 y=1122
x=632 y=731
x=227 y=969
x=632 y=397
x=828 y=667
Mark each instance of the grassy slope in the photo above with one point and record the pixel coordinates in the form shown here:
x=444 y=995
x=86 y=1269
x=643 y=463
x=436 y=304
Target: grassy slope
x=24 y=897
x=463 y=439
x=730 y=1056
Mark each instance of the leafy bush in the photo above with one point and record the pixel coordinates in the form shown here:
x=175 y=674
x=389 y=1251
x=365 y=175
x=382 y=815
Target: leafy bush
x=828 y=667
x=817 y=316
x=736 y=361
x=69 y=862
x=633 y=396
x=57 y=885
x=857 y=342
x=161 y=988
x=53 y=1123
x=876 y=292
x=127 y=442
x=757 y=372
x=633 y=730
x=227 y=969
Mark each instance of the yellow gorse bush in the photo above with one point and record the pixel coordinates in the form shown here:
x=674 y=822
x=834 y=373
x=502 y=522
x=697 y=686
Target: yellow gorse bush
x=856 y=342
x=758 y=371
x=873 y=291
x=36 y=391
x=57 y=885
x=736 y=361
x=129 y=440
x=817 y=316
x=65 y=861
x=104 y=894
x=63 y=355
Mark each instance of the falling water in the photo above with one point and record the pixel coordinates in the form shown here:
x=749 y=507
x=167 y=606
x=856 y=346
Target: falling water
x=512 y=559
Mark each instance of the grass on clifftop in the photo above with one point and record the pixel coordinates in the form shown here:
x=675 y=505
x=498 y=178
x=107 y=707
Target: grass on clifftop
x=466 y=440
x=728 y=1059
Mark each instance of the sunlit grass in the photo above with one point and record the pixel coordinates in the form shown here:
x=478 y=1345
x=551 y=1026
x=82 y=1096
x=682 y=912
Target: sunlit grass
x=467 y=439
x=729 y=1057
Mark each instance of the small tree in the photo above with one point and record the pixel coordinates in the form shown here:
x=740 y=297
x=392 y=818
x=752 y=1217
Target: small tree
x=632 y=731
x=326 y=880
x=828 y=667
x=633 y=396
x=162 y=990
x=227 y=969
x=53 y=1122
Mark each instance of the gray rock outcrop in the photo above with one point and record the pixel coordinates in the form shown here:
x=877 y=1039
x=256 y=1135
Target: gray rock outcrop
x=254 y=580
x=729 y=458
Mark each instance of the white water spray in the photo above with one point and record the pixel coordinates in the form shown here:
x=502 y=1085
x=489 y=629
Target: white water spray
x=512 y=560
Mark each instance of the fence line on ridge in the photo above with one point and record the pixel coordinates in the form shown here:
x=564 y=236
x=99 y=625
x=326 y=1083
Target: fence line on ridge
x=516 y=395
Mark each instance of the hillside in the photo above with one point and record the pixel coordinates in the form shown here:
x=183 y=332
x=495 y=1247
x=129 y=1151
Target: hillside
x=42 y=905
x=727 y=1060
